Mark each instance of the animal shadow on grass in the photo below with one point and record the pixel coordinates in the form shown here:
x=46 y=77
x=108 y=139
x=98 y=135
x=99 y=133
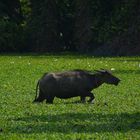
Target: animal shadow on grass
x=77 y=122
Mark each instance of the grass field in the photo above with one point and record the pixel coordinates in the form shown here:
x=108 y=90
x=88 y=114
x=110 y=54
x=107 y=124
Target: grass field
x=115 y=114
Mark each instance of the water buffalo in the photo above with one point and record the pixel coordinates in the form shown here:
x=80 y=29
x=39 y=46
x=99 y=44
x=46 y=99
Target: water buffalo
x=72 y=84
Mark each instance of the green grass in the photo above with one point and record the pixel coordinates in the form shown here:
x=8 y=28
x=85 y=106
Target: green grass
x=115 y=114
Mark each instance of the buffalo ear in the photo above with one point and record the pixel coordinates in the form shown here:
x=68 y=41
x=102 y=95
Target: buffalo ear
x=105 y=70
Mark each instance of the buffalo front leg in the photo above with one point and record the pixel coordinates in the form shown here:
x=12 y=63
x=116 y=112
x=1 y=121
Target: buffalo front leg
x=83 y=99
x=92 y=97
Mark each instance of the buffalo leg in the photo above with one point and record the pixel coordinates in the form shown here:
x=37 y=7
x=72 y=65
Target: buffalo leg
x=91 y=100
x=40 y=97
x=49 y=100
x=83 y=99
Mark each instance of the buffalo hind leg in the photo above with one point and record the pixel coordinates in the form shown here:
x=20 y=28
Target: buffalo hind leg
x=83 y=99
x=40 y=98
x=49 y=100
x=91 y=100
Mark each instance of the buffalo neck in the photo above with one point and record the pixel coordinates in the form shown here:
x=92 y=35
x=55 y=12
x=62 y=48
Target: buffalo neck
x=98 y=80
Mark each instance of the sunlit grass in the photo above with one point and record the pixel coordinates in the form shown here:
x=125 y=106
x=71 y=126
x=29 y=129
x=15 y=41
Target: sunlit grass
x=115 y=114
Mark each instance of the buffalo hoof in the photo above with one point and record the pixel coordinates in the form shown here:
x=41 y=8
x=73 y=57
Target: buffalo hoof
x=91 y=102
x=34 y=101
x=1 y=130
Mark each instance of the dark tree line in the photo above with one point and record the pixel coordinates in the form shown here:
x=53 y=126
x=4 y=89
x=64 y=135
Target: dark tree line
x=102 y=27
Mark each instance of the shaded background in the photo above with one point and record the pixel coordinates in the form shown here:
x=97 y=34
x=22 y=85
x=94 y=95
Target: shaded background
x=102 y=28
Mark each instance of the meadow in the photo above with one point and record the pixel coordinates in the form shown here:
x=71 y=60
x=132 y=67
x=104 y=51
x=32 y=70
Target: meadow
x=115 y=114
